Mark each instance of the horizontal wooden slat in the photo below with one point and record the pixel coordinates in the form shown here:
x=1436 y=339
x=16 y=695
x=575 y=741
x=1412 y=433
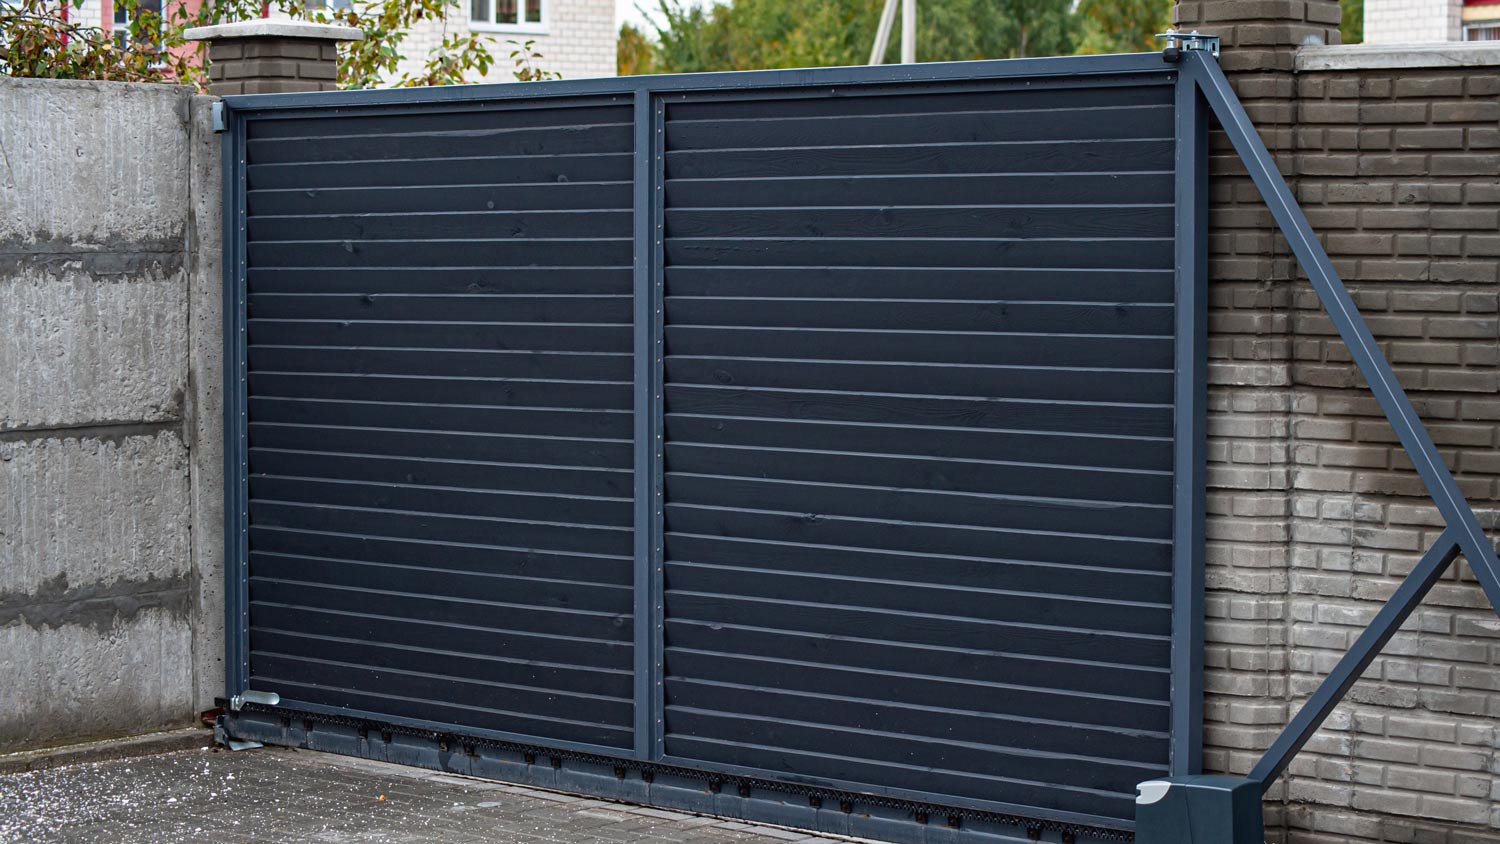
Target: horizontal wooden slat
x=999 y=251
x=608 y=134
x=406 y=224
x=485 y=668
x=421 y=253
x=922 y=315
x=512 y=645
x=430 y=198
x=1099 y=91
x=1120 y=385
x=1095 y=691
x=542 y=172
x=378 y=522
x=1038 y=448
x=493 y=504
x=1065 y=580
x=491 y=557
x=447 y=610
x=347 y=125
x=1014 y=349
x=914 y=408
x=540 y=337
x=437 y=281
x=909 y=502
x=1032 y=640
x=439 y=708
x=909 y=222
x=1007 y=734
x=1038 y=124
x=461 y=363
x=412 y=389
x=935 y=284
x=414 y=682
x=830 y=191
x=914 y=598
x=503 y=435
x=922 y=159
x=438 y=579
x=350 y=465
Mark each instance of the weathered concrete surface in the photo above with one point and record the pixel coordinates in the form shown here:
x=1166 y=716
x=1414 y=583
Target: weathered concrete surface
x=95 y=633
x=205 y=404
x=93 y=166
x=82 y=343
x=100 y=612
x=74 y=681
x=93 y=511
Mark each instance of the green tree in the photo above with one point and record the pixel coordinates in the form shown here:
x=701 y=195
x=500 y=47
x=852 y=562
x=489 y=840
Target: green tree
x=1122 y=26
x=634 y=53
x=1353 y=27
x=748 y=34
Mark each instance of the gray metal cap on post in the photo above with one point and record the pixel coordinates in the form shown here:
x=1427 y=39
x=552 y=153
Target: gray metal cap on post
x=272 y=56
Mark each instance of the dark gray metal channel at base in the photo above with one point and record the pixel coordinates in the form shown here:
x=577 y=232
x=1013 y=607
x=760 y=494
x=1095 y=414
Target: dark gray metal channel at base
x=822 y=447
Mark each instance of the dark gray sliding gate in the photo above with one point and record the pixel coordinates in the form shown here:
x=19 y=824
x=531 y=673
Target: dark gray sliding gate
x=813 y=446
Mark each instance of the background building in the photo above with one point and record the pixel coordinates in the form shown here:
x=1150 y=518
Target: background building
x=1416 y=21
x=575 y=37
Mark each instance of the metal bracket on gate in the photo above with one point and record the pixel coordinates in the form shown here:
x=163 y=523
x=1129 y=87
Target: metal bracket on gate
x=1224 y=809
x=1182 y=42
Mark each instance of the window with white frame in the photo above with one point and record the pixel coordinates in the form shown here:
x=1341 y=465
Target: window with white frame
x=125 y=15
x=1487 y=31
x=506 y=14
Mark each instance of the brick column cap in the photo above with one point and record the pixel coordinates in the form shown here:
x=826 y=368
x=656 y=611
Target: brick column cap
x=1399 y=56
x=269 y=28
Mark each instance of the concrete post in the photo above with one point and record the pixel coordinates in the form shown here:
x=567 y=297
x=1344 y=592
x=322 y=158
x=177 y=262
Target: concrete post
x=272 y=56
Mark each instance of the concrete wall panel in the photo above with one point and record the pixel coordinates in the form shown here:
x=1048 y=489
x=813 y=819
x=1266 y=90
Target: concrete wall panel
x=81 y=514
x=92 y=340
x=77 y=682
x=92 y=165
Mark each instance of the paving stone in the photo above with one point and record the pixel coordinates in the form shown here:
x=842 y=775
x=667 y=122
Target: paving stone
x=278 y=795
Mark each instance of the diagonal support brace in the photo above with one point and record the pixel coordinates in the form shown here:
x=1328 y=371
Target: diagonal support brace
x=1224 y=809
x=1203 y=72
x=1369 y=644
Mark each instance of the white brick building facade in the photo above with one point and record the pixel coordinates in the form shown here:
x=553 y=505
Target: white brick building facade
x=1425 y=21
x=575 y=38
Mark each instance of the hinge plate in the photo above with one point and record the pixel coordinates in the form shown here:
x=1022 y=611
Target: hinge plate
x=218 y=116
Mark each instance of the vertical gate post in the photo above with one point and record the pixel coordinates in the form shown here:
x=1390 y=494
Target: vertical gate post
x=1189 y=471
x=648 y=491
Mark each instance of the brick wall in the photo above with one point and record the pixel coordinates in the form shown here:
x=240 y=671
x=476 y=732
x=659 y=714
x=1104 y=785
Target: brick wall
x=1400 y=170
x=1314 y=514
x=1412 y=21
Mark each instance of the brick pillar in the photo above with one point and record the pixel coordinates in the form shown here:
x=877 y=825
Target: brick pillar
x=1251 y=494
x=272 y=56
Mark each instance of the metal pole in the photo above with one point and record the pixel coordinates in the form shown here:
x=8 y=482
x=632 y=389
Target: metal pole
x=908 y=31
x=1190 y=438
x=883 y=32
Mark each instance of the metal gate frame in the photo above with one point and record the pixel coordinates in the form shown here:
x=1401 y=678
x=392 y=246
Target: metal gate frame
x=579 y=766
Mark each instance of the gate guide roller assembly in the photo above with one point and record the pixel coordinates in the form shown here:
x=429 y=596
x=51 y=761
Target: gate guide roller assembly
x=1227 y=809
